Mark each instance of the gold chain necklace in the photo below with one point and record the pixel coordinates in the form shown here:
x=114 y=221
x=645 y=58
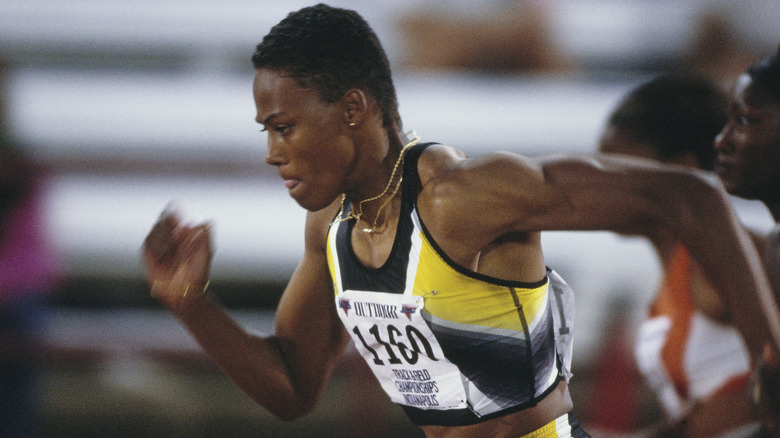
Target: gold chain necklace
x=356 y=215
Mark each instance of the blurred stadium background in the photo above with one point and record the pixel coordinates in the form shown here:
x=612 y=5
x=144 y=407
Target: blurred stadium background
x=134 y=105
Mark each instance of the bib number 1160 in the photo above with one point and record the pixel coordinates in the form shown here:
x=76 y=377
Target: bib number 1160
x=394 y=346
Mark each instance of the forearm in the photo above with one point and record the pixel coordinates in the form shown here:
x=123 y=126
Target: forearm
x=256 y=364
x=770 y=249
x=715 y=237
x=285 y=374
x=618 y=194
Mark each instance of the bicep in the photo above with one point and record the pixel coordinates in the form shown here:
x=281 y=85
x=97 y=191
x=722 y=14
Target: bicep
x=507 y=193
x=591 y=193
x=307 y=326
x=306 y=309
x=770 y=248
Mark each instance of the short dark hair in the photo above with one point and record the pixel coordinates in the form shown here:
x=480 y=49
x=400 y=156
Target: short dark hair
x=331 y=50
x=767 y=74
x=676 y=114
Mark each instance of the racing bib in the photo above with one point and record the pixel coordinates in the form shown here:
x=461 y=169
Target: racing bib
x=401 y=350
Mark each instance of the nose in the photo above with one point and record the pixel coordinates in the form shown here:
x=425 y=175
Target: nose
x=274 y=154
x=721 y=142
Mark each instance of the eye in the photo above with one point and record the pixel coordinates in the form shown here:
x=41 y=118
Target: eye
x=282 y=128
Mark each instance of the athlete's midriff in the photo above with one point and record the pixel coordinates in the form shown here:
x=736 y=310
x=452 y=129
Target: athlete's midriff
x=513 y=425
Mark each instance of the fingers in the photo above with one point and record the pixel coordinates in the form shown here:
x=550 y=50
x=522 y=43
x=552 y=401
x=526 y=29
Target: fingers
x=171 y=242
x=160 y=243
x=194 y=256
x=188 y=275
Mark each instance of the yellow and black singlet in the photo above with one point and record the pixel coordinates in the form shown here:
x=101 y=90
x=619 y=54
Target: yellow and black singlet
x=451 y=346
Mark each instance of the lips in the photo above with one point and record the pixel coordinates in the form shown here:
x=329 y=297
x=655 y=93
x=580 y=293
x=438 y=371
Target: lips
x=291 y=183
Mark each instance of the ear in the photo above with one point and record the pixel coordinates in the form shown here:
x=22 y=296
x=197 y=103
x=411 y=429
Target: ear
x=355 y=107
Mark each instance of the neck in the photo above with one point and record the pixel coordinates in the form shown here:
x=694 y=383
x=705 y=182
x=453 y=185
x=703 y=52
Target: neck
x=371 y=212
x=379 y=215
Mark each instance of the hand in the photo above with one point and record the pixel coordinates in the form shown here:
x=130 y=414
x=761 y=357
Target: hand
x=177 y=258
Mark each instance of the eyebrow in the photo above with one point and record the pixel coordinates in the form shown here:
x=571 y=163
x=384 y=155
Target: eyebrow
x=269 y=118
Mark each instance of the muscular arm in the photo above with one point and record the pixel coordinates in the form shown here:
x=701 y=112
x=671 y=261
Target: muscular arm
x=511 y=193
x=285 y=373
x=770 y=248
x=692 y=207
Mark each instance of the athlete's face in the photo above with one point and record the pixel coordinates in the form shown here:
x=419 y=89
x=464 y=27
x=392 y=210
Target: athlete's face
x=749 y=145
x=306 y=140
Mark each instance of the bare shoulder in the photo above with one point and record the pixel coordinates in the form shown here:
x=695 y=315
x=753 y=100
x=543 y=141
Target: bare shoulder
x=474 y=201
x=448 y=174
x=437 y=160
x=443 y=166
